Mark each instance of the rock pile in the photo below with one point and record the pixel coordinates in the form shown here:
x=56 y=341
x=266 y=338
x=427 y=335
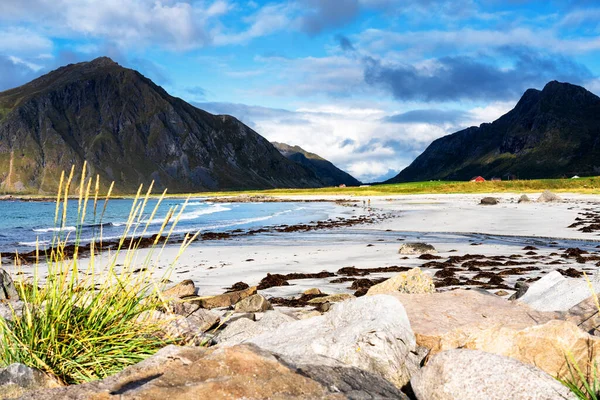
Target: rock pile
x=407 y=343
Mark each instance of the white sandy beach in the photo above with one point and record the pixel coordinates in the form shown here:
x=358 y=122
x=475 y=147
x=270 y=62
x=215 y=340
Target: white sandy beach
x=449 y=222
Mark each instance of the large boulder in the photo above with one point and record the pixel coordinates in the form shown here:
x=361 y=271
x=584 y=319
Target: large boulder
x=18 y=379
x=416 y=248
x=548 y=197
x=189 y=373
x=554 y=292
x=252 y=304
x=242 y=329
x=546 y=346
x=7 y=287
x=227 y=299
x=476 y=375
x=369 y=333
x=413 y=281
x=447 y=320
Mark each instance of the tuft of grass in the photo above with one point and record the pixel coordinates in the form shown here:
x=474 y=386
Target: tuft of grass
x=85 y=325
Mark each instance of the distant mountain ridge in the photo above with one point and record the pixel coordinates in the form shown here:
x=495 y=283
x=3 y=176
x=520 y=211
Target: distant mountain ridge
x=550 y=133
x=130 y=131
x=328 y=173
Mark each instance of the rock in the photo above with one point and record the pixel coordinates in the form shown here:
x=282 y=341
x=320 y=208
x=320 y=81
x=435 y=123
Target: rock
x=237 y=286
x=417 y=248
x=548 y=197
x=489 y=201
x=17 y=379
x=312 y=291
x=446 y=320
x=501 y=293
x=545 y=346
x=521 y=288
x=369 y=333
x=524 y=199
x=354 y=383
x=191 y=328
x=189 y=373
x=252 y=304
x=181 y=290
x=413 y=281
x=585 y=315
x=226 y=299
x=476 y=375
x=243 y=329
x=554 y=292
x=8 y=310
x=7 y=287
x=332 y=298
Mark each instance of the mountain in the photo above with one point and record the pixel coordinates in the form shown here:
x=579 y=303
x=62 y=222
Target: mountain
x=130 y=131
x=328 y=173
x=550 y=133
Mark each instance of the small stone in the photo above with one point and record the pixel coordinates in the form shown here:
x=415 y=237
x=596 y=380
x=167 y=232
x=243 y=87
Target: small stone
x=333 y=298
x=521 y=288
x=7 y=287
x=413 y=281
x=417 y=248
x=252 y=304
x=489 y=201
x=524 y=199
x=181 y=290
x=312 y=291
x=501 y=293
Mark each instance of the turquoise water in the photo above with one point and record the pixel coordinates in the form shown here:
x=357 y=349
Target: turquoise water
x=24 y=223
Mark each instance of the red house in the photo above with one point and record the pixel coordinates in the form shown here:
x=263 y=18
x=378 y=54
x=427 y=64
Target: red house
x=477 y=179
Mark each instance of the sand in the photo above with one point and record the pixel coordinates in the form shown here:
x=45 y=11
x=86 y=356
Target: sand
x=454 y=224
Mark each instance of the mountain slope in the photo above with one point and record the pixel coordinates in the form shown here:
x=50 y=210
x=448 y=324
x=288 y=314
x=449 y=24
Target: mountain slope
x=550 y=133
x=328 y=173
x=130 y=131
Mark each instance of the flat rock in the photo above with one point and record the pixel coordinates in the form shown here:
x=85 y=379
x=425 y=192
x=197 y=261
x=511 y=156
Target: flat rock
x=312 y=291
x=181 y=290
x=225 y=300
x=7 y=287
x=413 y=281
x=416 y=248
x=190 y=373
x=548 y=197
x=241 y=330
x=252 y=304
x=476 y=375
x=554 y=292
x=369 y=333
x=446 y=320
x=332 y=298
x=585 y=315
x=191 y=328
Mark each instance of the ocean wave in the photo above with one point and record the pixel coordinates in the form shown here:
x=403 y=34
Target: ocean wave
x=63 y=229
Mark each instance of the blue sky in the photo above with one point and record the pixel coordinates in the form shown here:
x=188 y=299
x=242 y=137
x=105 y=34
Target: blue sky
x=367 y=84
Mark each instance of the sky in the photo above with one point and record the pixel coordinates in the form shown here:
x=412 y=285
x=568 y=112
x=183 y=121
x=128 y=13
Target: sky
x=367 y=84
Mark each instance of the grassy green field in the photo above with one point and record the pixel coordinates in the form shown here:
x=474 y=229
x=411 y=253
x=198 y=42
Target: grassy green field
x=590 y=185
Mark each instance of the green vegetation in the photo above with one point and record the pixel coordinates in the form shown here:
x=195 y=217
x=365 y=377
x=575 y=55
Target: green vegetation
x=590 y=185
x=88 y=324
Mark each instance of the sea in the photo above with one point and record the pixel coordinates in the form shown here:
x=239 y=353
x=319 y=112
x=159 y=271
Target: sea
x=25 y=223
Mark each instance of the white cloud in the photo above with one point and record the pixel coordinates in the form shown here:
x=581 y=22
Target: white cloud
x=23 y=41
